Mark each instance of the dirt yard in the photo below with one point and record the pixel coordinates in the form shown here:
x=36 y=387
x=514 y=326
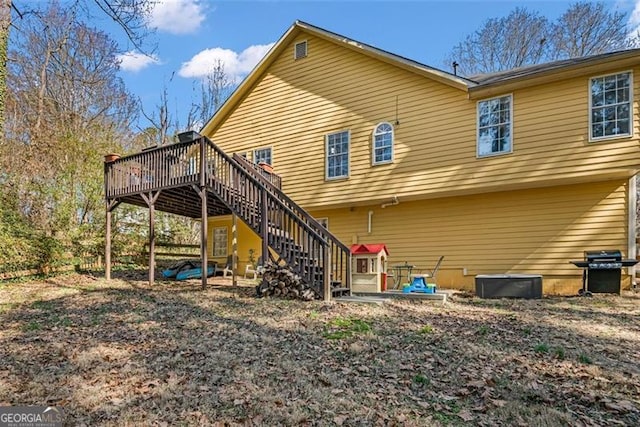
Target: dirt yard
x=121 y=353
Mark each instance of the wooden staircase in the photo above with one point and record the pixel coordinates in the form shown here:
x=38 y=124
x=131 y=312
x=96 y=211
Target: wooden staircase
x=309 y=249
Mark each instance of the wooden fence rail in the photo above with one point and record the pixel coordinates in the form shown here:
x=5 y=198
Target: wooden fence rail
x=167 y=252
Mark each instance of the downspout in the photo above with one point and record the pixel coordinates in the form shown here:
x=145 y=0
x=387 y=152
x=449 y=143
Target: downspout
x=369 y=222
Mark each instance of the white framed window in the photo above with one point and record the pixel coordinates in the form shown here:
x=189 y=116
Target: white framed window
x=262 y=155
x=495 y=126
x=337 y=155
x=610 y=106
x=382 y=144
x=220 y=241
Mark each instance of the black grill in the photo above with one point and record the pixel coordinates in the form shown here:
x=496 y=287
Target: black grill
x=602 y=271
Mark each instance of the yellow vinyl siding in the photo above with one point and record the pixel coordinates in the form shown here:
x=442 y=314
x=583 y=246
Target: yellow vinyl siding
x=247 y=239
x=296 y=103
x=527 y=231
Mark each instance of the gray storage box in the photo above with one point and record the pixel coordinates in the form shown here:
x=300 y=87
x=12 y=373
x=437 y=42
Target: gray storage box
x=527 y=286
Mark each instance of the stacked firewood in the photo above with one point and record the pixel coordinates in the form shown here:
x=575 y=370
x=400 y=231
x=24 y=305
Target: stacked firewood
x=280 y=281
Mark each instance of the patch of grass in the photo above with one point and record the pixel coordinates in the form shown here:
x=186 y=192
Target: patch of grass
x=65 y=322
x=421 y=379
x=147 y=298
x=32 y=326
x=6 y=307
x=341 y=327
x=444 y=418
x=426 y=329
x=559 y=353
x=43 y=305
x=314 y=315
x=341 y=322
x=541 y=348
x=526 y=332
x=483 y=330
x=454 y=407
x=583 y=358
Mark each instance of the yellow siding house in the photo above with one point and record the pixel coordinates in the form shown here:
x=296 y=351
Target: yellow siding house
x=513 y=172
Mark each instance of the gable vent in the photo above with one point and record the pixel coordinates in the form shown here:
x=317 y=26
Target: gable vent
x=300 y=50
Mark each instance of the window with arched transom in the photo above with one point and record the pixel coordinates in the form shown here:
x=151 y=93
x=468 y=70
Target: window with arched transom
x=382 y=143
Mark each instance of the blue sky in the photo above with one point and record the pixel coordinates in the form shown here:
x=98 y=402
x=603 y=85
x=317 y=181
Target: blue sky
x=192 y=34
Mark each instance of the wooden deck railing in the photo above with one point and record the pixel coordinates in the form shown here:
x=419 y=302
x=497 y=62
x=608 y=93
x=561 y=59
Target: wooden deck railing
x=259 y=172
x=160 y=168
x=312 y=252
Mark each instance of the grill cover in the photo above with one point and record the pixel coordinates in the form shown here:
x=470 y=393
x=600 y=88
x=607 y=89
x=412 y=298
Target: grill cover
x=605 y=255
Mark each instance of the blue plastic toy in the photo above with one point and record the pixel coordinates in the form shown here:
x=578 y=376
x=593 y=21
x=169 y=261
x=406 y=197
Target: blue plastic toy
x=419 y=284
x=193 y=273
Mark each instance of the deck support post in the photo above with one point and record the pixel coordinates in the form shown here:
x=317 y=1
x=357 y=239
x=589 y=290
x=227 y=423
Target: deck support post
x=107 y=246
x=110 y=206
x=204 y=229
x=150 y=199
x=234 y=246
x=152 y=244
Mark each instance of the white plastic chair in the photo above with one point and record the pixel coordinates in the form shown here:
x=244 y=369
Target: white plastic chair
x=249 y=270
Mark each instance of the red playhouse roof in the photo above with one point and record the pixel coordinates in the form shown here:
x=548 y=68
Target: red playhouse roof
x=368 y=248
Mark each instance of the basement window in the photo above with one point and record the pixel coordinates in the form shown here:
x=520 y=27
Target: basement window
x=220 y=241
x=300 y=50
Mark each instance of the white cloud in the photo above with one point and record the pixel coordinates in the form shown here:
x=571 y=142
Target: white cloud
x=236 y=65
x=135 y=61
x=177 y=16
x=634 y=20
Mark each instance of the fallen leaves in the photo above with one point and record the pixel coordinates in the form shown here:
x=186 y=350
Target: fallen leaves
x=126 y=354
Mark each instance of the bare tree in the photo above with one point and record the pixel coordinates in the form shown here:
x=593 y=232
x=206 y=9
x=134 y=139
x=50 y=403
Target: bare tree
x=66 y=107
x=526 y=38
x=160 y=121
x=503 y=43
x=130 y=15
x=212 y=92
x=216 y=88
x=589 y=29
x=5 y=22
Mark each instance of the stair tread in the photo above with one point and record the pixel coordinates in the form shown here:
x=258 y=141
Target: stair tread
x=304 y=256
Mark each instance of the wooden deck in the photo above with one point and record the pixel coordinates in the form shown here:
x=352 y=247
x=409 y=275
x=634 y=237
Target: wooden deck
x=198 y=180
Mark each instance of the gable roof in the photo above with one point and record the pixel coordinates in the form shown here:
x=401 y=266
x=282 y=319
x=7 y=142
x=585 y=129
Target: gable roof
x=368 y=248
x=476 y=86
x=299 y=27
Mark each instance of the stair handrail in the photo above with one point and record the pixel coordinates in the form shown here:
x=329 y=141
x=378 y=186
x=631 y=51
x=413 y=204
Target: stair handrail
x=257 y=171
x=259 y=183
x=284 y=198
